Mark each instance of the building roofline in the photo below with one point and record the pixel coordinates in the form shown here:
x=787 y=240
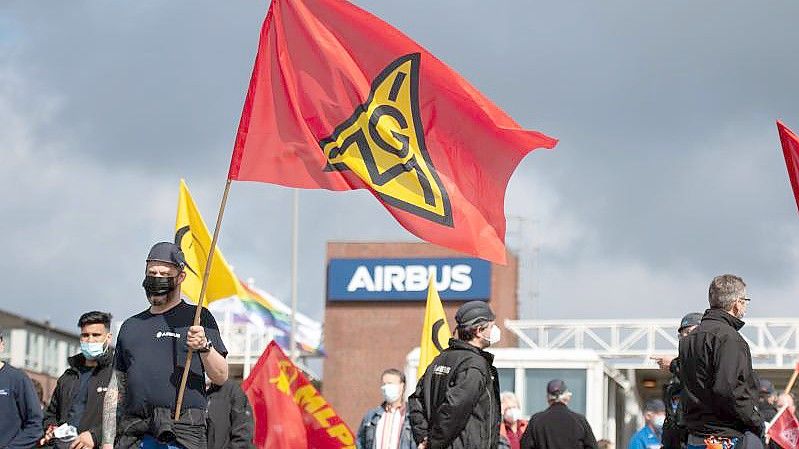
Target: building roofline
x=9 y=320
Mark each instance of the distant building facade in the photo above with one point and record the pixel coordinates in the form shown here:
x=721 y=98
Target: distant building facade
x=37 y=347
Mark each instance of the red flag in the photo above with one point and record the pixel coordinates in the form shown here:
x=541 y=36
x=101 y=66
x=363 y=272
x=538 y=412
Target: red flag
x=790 y=149
x=340 y=100
x=784 y=430
x=289 y=412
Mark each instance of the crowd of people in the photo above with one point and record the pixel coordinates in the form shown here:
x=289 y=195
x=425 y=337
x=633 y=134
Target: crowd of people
x=713 y=399
x=124 y=396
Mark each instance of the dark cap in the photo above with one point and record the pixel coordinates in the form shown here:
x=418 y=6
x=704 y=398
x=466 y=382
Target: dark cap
x=473 y=312
x=765 y=387
x=654 y=405
x=167 y=252
x=692 y=319
x=556 y=387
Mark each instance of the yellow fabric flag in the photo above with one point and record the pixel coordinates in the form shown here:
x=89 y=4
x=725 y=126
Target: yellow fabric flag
x=193 y=237
x=435 y=333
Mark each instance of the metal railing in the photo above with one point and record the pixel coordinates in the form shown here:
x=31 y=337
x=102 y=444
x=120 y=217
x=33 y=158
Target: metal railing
x=774 y=342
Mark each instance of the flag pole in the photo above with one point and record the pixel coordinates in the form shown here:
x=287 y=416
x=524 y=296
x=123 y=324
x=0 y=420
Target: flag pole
x=792 y=380
x=294 y=238
x=201 y=299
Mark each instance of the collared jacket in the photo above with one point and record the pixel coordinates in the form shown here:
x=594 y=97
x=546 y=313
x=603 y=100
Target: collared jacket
x=456 y=403
x=61 y=401
x=557 y=427
x=365 y=438
x=719 y=384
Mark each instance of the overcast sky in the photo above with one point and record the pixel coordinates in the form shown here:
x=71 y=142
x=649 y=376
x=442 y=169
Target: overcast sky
x=668 y=170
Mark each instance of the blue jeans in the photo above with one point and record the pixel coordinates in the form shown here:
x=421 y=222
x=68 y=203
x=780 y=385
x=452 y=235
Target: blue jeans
x=148 y=442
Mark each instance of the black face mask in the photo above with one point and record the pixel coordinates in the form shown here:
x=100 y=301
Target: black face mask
x=157 y=286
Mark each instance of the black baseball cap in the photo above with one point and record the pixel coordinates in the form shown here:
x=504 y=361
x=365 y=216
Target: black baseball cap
x=473 y=312
x=654 y=405
x=692 y=319
x=556 y=387
x=167 y=252
x=765 y=387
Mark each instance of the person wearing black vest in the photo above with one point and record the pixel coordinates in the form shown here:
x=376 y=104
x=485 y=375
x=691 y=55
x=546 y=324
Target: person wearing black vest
x=77 y=400
x=456 y=403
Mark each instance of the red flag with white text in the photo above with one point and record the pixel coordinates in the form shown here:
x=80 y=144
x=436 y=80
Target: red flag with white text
x=289 y=412
x=341 y=100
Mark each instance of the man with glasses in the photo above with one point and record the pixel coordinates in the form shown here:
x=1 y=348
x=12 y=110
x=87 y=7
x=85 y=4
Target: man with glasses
x=719 y=384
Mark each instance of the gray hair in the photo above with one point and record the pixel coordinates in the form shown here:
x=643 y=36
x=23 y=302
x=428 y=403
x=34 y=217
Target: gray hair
x=725 y=290
x=563 y=398
x=508 y=396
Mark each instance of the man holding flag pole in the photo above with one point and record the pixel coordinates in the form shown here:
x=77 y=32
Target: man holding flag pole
x=143 y=389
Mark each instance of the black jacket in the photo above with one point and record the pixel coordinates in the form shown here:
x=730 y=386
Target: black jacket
x=61 y=401
x=230 y=422
x=558 y=428
x=456 y=403
x=675 y=435
x=719 y=385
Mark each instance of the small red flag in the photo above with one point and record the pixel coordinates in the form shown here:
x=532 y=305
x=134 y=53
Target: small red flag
x=289 y=412
x=340 y=100
x=784 y=430
x=790 y=149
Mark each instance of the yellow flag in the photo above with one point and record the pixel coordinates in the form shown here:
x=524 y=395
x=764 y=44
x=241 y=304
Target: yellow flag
x=435 y=333
x=192 y=236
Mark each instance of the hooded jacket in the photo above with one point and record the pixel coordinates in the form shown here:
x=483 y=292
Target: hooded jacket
x=719 y=384
x=61 y=401
x=456 y=403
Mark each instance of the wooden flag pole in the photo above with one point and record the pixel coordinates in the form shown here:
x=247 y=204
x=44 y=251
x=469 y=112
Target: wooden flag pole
x=201 y=299
x=792 y=381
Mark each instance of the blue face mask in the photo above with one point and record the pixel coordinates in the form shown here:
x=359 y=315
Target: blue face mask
x=92 y=350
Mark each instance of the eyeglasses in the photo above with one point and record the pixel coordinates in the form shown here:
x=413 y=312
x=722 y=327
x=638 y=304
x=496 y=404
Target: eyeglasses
x=745 y=299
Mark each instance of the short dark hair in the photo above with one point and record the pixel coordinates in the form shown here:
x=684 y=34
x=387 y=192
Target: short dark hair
x=95 y=317
x=467 y=333
x=394 y=372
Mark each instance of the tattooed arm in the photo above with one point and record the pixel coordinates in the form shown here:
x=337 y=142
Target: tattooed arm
x=114 y=400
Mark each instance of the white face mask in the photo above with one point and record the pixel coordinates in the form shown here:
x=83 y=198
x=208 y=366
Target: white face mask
x=658 y=421
x=513 y=414
x=494 y=335
x=391 y=392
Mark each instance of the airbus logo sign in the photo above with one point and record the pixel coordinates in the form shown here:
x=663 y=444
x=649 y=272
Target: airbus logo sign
x=407 y=279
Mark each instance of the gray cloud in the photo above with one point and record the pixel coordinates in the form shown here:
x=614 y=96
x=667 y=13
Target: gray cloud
x=668 y=171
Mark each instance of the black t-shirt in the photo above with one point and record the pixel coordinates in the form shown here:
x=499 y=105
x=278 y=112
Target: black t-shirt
x=152 y=349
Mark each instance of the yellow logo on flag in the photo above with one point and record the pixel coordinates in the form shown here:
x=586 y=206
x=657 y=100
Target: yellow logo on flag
x=383 y=144
x=192 y=236
x=286 y=377
x=435 y=330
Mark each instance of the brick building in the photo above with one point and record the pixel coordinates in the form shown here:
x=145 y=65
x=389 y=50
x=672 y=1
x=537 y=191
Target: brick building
x=368 y=331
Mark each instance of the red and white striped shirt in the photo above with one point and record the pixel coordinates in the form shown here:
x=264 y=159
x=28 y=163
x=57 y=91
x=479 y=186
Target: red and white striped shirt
x=389 y=428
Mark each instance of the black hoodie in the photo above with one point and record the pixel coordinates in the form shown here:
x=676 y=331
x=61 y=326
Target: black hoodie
x=720 y=387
